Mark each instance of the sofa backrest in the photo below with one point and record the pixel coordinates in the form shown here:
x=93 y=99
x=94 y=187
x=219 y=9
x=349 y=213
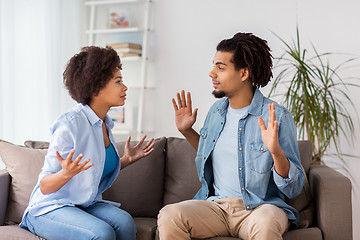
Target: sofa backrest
x=305 y=149
x=181 y=178
x=140 y=187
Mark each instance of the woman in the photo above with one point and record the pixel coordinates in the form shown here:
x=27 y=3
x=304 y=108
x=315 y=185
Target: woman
x=82 y=160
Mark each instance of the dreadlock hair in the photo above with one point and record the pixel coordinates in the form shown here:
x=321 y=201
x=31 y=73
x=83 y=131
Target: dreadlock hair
x=252 y=52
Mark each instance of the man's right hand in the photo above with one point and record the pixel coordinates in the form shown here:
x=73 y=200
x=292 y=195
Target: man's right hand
x=184 y=117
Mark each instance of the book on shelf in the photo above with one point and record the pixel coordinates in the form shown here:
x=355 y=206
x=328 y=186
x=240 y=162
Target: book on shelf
x=125 y=54
x=128 y=50
x=125 y=45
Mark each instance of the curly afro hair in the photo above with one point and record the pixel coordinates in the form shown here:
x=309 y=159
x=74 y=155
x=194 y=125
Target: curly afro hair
x=250 y=52
x=89 y=71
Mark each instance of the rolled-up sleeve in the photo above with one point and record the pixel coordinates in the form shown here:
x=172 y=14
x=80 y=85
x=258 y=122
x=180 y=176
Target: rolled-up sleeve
x=293 y=184
x=62 y=140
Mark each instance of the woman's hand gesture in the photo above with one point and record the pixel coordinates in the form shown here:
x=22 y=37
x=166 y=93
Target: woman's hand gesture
x=53 y=182
x=132 y=154
x=71 y=168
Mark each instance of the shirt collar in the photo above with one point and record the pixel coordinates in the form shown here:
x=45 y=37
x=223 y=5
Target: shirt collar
x=256 y=103
x=255 y=107
x=94 y=119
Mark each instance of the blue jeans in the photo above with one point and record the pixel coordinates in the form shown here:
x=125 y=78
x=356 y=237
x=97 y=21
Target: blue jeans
x=98 y=221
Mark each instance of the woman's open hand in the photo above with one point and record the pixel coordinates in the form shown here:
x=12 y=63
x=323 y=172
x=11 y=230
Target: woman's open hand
x=71 y=168
x=132 y=154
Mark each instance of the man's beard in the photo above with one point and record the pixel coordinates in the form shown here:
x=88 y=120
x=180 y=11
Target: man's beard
x=218 y=94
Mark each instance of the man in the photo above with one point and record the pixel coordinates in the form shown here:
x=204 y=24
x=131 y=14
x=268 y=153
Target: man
x=247 y=153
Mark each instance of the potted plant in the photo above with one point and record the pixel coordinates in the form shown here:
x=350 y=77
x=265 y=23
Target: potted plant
x=316 y=95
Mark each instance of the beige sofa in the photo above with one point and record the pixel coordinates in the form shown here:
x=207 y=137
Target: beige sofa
x=167 y=176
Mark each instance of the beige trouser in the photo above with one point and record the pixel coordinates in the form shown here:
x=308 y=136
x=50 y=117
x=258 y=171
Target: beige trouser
x=223 y=217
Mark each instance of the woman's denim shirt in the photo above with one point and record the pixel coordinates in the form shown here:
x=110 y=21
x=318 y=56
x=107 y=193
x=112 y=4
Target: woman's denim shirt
x=79 y=129
x=259 y=182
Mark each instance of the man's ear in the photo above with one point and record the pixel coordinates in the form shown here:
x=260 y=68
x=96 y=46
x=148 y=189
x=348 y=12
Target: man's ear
x=244 y=74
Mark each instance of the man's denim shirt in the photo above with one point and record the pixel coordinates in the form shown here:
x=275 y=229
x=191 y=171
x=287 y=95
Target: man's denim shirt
x=259 y=182
x=79 y=129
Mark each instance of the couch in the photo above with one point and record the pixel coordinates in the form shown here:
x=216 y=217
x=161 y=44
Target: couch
x=168 y=176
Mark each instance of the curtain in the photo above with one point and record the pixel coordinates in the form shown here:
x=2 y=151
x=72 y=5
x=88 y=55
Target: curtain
x=37 y=37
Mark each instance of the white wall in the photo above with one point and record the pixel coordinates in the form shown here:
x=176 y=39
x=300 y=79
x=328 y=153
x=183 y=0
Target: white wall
x=187 y=32
x=185 y=37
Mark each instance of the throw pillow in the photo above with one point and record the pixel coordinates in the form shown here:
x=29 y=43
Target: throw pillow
x=24 y=166
x=36 y=144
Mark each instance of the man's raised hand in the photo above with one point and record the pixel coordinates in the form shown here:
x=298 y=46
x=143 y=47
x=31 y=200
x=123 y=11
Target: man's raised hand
x=184 y=117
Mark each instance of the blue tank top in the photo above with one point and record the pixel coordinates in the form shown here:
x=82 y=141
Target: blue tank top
x=111 y=161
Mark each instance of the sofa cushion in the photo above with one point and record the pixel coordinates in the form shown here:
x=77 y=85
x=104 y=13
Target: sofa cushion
x=305 y=149
x=181 y=178
x=312 y=233
x=14 y=232
x=24 y=166
x=146 y=228
x=139 y=187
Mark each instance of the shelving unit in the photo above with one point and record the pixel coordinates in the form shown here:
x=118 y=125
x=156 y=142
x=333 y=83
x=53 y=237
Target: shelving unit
x=95 y=30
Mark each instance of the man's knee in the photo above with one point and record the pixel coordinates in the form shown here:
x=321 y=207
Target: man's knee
x=177 y=213
x=271 y=220
x=169 y=212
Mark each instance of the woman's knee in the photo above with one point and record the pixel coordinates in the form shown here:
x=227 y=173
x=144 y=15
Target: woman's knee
x=103 y=231
x=125 y=227
x=51 y=229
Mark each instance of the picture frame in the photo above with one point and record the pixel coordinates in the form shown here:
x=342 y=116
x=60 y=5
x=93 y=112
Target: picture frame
x=122 y=118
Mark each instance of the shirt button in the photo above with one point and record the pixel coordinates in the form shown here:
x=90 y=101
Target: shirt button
x=214 y=140
x=202 y=134
x=240 y=149
x=247 y=207
x=240 y=169
x=240 y=129
x=262 y=149
x=242 y=189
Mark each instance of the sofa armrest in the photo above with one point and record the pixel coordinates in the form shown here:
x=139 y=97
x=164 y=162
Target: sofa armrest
x=4 y=190
x=332 y=196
